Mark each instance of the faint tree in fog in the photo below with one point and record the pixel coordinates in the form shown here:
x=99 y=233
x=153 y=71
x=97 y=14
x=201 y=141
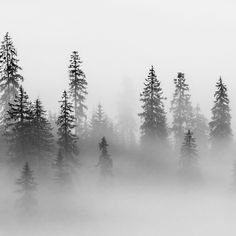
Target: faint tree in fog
x=9 y=73
x=126 y=120
x=188 y=158
x=181 y=108
x=27 y=185
x=52 y=118
x=200 y=129
x=42 y=132
x=105 y=161
x=78 y=91
x=67 y=141
x=153 y=116
x=220 y=125
x=98 y=124
x=62 y=175
x=18 y=124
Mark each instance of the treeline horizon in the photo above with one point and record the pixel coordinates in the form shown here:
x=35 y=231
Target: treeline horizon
x=32 y=137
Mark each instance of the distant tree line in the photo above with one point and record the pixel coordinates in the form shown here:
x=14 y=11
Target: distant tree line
x=37 y=138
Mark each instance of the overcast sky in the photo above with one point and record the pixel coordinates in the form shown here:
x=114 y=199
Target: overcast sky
x=119 y=39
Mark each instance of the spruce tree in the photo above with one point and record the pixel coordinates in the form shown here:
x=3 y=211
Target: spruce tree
x=67 y=141
x=220 y=125
x=9 y=73
x=181 y=109
x=105 y=161
x=27 y=185
x=78 y=91
x=18 y=130
x=153 y=116
x=42 y=132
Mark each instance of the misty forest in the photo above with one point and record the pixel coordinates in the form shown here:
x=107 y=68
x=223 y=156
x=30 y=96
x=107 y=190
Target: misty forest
x=79 y=171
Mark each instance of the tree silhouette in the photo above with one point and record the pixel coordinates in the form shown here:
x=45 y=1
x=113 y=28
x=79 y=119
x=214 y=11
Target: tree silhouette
x=105 y=162
x=153 y=115
x=42 y=132
x=27 y=185
x=18 y=132
x=67 y=141
x=78 y=91
x=220 y=125
x=9 y=73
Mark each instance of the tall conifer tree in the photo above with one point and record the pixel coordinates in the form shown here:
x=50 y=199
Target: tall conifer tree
x=18 y=130
x=153 y=116
x=67 y=140
x=9 y=73
x=42 y=132
x=78 y=91
x=220 y=125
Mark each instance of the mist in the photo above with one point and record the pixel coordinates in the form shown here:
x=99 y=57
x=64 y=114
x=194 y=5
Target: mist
x=117 y=118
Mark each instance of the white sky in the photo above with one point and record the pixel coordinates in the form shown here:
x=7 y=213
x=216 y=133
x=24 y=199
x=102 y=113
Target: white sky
x=117 y=39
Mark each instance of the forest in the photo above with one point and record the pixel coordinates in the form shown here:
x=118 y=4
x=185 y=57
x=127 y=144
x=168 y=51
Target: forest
x=50 y=159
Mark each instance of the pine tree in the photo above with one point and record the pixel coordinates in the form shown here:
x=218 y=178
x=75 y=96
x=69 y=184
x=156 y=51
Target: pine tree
x=220 y=125
x=105 y=161
x=181 y=108
x=27 y=185
x=18 y=131
x=42 y=132
x=153 y=115
x=9 y=73
x=78 y=91
x=67 y=141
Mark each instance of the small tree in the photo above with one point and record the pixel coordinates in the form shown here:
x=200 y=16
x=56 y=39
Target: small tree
x=105 y=162
x=220 y=125
x=67 y=141
x=78 y=91
x=9 y=73
x=27 y=185
x=188 y=158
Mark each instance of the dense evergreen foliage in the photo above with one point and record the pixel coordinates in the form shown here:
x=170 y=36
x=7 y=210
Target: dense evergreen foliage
x=10 y=77
x=153 y=115
x=67 y=140
x=220 y=125
x=78 y=91
x=18 y=124
x=42 y=132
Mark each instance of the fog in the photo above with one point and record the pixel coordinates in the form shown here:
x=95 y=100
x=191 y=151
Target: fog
x=145 y=192
x=135 y=203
